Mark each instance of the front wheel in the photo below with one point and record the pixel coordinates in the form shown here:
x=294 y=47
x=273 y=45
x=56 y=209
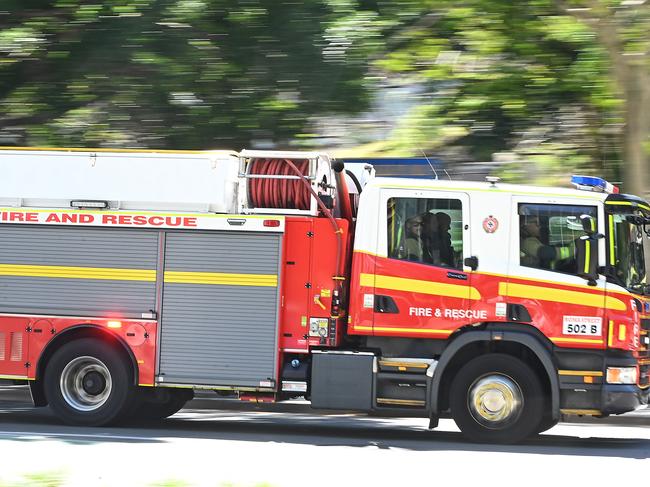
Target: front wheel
x=496 y=398
x=88 y=383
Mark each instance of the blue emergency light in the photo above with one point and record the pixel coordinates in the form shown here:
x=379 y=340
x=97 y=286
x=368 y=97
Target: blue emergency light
x=592 y=183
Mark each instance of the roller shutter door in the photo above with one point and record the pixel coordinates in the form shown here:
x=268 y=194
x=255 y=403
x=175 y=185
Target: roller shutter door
x=220 y=308
x=77 y=272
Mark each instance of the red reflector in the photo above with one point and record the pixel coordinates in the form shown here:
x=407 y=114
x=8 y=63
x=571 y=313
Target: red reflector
x=271 y=223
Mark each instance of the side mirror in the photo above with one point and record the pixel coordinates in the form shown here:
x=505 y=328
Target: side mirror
x=588 y=224
x=587 y=257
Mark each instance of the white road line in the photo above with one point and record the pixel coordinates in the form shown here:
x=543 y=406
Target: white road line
x=39 y=434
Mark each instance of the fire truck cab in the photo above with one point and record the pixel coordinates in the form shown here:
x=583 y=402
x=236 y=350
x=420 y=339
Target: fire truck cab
x=545 y=283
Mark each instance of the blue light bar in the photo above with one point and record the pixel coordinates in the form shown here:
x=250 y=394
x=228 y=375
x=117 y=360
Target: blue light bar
x=592 y=183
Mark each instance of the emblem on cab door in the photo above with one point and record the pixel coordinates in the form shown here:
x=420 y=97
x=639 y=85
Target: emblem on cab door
x=490 y=224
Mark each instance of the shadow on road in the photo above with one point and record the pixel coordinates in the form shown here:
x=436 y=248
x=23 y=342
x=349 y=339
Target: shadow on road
x=21 y=423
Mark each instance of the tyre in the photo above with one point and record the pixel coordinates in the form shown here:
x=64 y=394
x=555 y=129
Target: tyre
x=88 y=383
x=159 y=403
x=546 y=424
x=496 y=398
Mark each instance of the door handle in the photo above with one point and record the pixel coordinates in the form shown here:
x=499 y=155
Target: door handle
x=471 y=262
x=385 y=304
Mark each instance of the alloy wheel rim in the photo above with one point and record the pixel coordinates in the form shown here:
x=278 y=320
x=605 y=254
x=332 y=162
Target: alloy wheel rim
x=495 y=401
x=86 y=383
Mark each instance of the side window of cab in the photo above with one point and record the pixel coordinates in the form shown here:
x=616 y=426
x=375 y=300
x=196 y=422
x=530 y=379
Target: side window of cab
x=548 y=234
x=426 y=230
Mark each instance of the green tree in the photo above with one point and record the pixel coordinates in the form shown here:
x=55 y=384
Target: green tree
x=623 y=31
x=182 y=74
x=522 y=78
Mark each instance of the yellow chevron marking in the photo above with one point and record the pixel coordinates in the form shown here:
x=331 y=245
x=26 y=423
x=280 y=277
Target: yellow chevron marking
x=419 y=286
x=265 y=280
x=543 y=293
x=424 y=331
x=588 y=373
x=64 y=272
x=575 y=340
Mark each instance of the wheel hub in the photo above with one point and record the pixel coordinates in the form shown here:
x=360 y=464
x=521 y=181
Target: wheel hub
x=93 y=383
x=86 y=383
x=495 y=401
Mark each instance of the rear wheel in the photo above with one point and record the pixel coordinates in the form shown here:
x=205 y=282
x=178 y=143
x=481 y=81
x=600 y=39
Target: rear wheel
x=497 y=398
x=88 y=382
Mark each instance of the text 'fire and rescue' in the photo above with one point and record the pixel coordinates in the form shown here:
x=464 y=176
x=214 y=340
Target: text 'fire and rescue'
x=90 y=219
x=448 y=313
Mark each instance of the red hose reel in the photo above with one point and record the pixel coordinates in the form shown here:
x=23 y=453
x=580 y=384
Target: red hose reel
x=278 y=193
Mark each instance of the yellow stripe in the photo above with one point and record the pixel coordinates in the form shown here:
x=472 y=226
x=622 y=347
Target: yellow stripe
x=610 y=336
x=588 y=373
x=265 y=280
x=424 y=331
x=62 y=272
x=20 y=377
x=575 y=340
x=560 y=296
x=124 y=151
x=546 y=281
x=628 y=203
x=221 y=216
x=514 y=192
x=404 y=402
x=612 y=251
x=413 y=365
x=581 y=412
x=587 y=255
x=418 y=286
x=621 y=333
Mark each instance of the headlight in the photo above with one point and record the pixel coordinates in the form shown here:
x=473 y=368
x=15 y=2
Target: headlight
x=621 y=375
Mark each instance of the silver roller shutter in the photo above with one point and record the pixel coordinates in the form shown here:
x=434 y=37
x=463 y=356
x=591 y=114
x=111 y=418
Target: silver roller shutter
x=77 y=272
x=220 y=308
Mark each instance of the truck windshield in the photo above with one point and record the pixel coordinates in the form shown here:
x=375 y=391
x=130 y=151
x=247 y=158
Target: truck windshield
x=626 y=253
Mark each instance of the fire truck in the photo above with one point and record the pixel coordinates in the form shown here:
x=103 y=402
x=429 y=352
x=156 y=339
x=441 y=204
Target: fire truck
x=130 y=279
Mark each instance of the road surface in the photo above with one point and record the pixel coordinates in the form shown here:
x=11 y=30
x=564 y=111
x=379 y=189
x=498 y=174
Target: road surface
x=256 y=447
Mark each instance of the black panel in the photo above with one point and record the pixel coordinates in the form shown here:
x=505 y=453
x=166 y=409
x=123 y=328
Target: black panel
x=342 y=381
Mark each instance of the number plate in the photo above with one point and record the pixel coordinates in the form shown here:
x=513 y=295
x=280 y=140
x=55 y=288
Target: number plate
x=582 y=325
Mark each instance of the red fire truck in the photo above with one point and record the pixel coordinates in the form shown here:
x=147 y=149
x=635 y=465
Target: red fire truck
x=129 y=279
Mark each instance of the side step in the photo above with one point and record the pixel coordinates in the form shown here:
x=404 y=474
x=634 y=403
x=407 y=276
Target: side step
x=403 y=382
x=400 y=402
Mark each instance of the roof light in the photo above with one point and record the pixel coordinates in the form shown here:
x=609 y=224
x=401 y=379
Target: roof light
x=89 y=204
x=592 y=183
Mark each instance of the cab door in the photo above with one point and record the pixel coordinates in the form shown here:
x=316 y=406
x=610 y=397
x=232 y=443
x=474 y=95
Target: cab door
x=543 y=276
x=421 y=287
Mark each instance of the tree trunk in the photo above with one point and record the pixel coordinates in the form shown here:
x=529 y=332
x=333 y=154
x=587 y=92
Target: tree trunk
x=637 y=130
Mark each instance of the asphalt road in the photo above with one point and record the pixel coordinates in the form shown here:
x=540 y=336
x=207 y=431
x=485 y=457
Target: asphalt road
x=237 y=446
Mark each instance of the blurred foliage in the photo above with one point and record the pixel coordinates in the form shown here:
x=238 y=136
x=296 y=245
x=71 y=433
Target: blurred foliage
x=542 y=85
x=182 y=74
